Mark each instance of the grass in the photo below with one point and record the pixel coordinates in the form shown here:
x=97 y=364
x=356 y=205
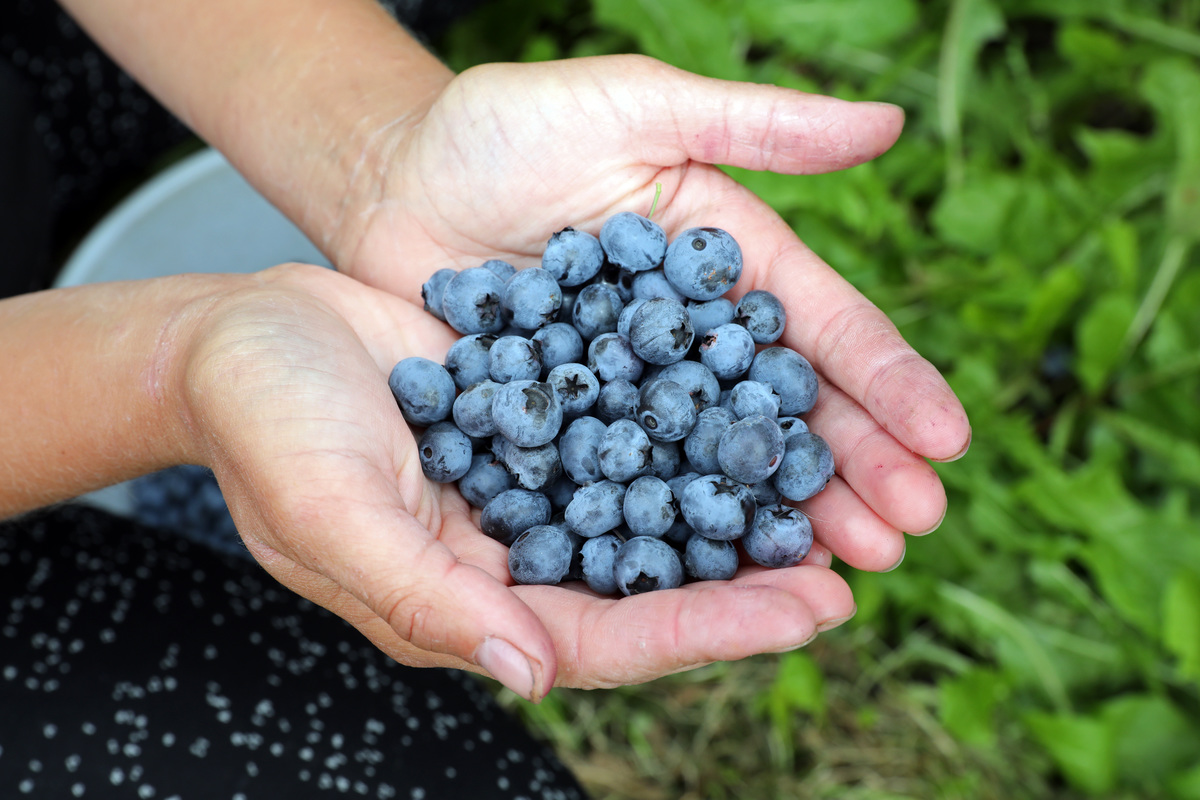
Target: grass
x=1034 y=233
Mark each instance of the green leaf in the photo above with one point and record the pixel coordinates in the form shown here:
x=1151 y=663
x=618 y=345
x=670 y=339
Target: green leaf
x=808 y=27
x=695 y=35
x=968 y=703
x=1100 y=336
x=1151 y=738
x=1082 y=747
x=970 y=25
x=798 y=686
x=974 y=216
x=1052 y=299
x=1181 y=622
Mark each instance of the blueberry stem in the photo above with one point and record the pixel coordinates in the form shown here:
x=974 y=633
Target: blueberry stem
x=654 y=205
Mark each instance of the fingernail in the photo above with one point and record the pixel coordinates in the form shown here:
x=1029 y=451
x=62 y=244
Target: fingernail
x=898 y=563
x=833 y=623
x=960 y=453
x=936 y=525
x=792 y=647
x=506 y=664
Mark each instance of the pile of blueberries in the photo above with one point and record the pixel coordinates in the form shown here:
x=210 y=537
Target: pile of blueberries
x=616 y=418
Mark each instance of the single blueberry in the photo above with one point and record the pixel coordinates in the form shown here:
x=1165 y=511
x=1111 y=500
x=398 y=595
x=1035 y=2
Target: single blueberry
x=533 y=298
x=751 y=449
x=661 y=331
x=572 y=257
x=618 y=400
x=717 y=507
x=596 y=508
x=703 y=441
x=633 y=242
x=644 y=564
x=540 y=555
x=754 y=398
x=665 y=410
x=511 y=513
x=473 y=410
x=560 y=343
x=597 y=309
x=576 y=387
x=625 y=451
x=471 y=301
x=432 y=289
x=445 y=453
x=467 y=360
x=486 y=478
x=710 y=559
x=611 y=357
x=710 y=314
x=579 y=450
x=649 y=507
x=423 y=389
x=762 y=314
x=780 y=536
x=703 y=263
x=791 y=375
x=599 y=558
x=514 y=358
x=728 y=351
x=527 y=412
x=806 y=468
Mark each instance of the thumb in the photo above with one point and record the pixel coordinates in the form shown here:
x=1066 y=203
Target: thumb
x=379 y=569
x=681 y=116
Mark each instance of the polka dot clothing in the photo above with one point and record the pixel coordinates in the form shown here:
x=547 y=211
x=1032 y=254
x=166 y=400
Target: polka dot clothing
x=137 y=664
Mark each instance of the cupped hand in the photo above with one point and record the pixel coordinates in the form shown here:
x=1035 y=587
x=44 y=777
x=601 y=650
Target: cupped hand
x=508 y=154
x=287 y=392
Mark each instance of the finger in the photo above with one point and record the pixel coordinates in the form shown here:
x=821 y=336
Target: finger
x=605 y=642
x=893 y=481
x=851 y=530
x=676 y=116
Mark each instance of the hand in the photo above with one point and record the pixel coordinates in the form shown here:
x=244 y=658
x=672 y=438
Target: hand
x=287 y=387
x=508 y=154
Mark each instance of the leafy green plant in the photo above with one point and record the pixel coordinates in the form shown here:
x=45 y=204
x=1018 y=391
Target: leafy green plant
x=1034 y=233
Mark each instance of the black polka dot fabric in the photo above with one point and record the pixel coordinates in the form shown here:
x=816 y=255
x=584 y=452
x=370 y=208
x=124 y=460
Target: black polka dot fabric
x=137 y=664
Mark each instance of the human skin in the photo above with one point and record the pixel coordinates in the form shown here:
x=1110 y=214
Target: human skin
x=395 y=167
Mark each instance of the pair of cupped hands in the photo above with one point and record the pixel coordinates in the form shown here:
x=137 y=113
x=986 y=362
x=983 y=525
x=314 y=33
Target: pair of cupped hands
x=286 y=373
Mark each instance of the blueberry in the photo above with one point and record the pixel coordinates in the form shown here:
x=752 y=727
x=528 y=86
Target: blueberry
x=728 y=350
x=579 y=450
x=596 y=508
x=618 y=400
x=751 y=450
x=709 y=559
x=599 y=558
x=664 y=459
x=432 y=289
x=780 y=536
x=698 y=380
x=754 y=398
x=761 y=313
x=514 y=358
x=533 y=468
x=501 y=269
x=527 y=412
x=560 y=343
x=597 y=309
x=661 y=331
x=654 y=284
x=625 y=451
x=627 y=313
x=471 y=301
x=665 y=410
x=486 y=478
x=717 y=507
x=806 y=468
x=710 y=314
x=423 y=389
x=467 y=360
x=445 y=453
x=533 y=298
x=611 y=357
x=513 y=512
x=617 y=279
x=633 y=242
x=473 y=410
x=703 y=263
x=644 y=564
x=561 y=492
x=540 y=555
x=572 y=257
x=765 y=493
x=791 y=375
x=576 y=387
x=702 y=442
x=791 y=425
x=649 y=507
